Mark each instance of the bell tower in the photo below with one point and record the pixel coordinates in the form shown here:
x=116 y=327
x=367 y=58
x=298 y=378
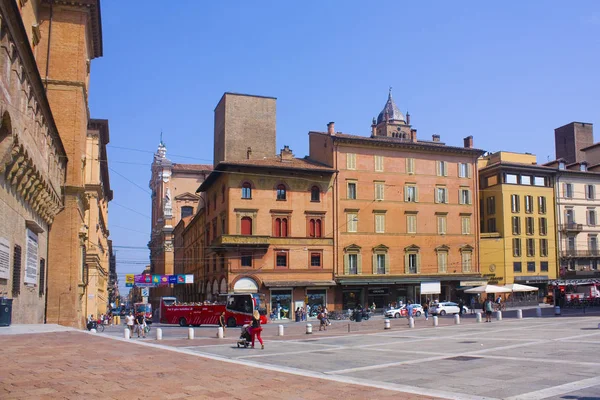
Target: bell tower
x=391 y=122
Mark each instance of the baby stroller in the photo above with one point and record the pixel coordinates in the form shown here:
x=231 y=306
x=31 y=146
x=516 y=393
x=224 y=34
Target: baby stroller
x=245 y=337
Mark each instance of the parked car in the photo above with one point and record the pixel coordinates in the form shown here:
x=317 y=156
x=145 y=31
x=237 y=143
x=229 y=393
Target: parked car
x=401 y=311
x=446 y=307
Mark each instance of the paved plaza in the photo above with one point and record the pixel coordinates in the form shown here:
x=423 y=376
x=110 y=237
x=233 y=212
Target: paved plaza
x=531 y=358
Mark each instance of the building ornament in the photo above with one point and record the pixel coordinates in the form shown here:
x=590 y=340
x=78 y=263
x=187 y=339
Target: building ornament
x=168 y=246
x=166 y=175
x=168 y=208
x=26 y=179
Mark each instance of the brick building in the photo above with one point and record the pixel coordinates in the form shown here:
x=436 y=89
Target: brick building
x=33 y=162
x=405 y=211
x=173 y=189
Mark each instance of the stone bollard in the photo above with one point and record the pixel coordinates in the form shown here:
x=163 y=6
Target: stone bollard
x=386 y=324
x=411 y=322
x=557 y=310
x=93 y=330
x=498 y=315
x=538 y=312
x=456 y=319
x=280 y=330
x=308 y=329
x=190 y=333
x=127 y=333
x=519 y=314
x=435 y=320
x=478 y=317
x=158 y=334
x=220 y=332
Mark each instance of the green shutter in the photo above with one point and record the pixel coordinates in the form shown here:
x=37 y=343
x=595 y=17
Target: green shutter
x=374 y=263
x=406 y=263
x=418 y=263
x=346 y=264
x=387 y=264
x=359 y=264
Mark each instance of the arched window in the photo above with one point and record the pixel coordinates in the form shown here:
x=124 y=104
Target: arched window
x=246 y=191
x=186 y=211
x=246 y=226
x=284 y=227
x=277 y=227
x=280 y=227
x=315 y=194
x=281 y=192
x=314 y=227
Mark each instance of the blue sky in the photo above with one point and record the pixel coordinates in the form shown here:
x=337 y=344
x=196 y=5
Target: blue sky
x=507 y=73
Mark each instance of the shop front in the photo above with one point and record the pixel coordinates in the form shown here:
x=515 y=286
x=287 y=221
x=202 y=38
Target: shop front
x=281 y=303
x=285 y=297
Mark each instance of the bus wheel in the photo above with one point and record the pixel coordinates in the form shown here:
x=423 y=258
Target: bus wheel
x=231 y=322
x=182 y=322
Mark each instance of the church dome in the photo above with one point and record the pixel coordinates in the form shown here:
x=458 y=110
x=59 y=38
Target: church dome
x=392 y=111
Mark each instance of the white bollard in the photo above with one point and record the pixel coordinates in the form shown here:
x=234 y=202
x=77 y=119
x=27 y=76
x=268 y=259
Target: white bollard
x=280 y=331
x=158 y=334
x=498 y=315
x=598 y=326
x=127 y=333
x=93 y=330
x=557 y=310
x=538 y=312
x=190 y=333
x=308 y=329
x=478 y=317
x=435 y=320
x=220 y=332
x=386 y=324
x=519 y=314
x=411 y=322
x=456 y=319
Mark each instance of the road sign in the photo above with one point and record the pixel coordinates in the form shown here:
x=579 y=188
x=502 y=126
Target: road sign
x=145 y=292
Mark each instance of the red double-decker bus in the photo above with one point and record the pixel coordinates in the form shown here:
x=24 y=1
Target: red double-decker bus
x=238 y=308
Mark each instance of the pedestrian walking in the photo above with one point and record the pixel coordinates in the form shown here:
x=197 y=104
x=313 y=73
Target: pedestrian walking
x=322 y=321
x=461 y=304
x=426 y=309
x=140 y=323
x=129 y=321
x=409 y=310
x=488 y=310
x=222 y=323
x=256 y=329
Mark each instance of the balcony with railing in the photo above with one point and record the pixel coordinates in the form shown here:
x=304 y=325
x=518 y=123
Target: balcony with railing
x=580 y=253
x=571 y=227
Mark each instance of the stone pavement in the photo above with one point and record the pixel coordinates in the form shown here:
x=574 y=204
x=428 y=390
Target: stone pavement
x=78 y=365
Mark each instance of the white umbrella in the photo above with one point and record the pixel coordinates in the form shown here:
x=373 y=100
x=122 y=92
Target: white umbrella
x=488 y=289
x=515 y=287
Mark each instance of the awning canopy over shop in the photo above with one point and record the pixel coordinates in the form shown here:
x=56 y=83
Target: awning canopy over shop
x=393 y=280
x=276 y=284
x=531 y=279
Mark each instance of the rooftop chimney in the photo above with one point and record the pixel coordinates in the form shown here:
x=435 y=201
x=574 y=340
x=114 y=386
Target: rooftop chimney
x=286 y=154
x=413 y=135
x=407 y=118
x=435 y=138
x=331 y=128
x=468 y=142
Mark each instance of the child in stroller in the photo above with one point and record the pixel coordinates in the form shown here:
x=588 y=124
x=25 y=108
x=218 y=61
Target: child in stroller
x=245 y=336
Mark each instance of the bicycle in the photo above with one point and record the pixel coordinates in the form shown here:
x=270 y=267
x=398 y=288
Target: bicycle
x=500 y=307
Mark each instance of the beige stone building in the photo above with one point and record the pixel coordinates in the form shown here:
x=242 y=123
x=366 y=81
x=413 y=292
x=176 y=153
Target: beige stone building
x=98 y=194
x=32 y=168
x=173 y=198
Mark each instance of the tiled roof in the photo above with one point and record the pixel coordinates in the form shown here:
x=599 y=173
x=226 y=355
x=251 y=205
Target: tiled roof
x=277 y=162
x=192 y=167
x=435 y=146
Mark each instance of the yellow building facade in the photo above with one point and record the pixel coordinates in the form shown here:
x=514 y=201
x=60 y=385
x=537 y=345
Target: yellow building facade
x=518 y=226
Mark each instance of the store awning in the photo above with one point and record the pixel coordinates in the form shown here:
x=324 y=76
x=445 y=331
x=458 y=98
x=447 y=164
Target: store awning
x=279 y=284
x=393 y=280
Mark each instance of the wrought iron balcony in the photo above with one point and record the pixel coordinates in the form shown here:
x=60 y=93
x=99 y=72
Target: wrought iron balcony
x=571 y=227
x=580 y=253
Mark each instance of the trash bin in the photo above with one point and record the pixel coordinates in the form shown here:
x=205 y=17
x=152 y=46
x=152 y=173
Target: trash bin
x=358 y=316
x=5 y=311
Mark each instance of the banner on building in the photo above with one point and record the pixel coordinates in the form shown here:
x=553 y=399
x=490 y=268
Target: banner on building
x=431 y=288
x=173 y=279
x=31 y=266
x=129 y=280
x=4 y=258
x=157 y=280
x=189 y=279
x=145 y=278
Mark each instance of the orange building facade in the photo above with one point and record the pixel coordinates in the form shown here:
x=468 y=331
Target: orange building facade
x=405 y=212
x=269 y=229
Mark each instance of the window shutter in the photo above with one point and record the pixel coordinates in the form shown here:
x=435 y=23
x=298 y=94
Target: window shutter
x=445 y=168
x=359 y=264
x=42 y=287
x=405 y=193
x=16 y=283
x=564 y=189
x=406 y=269
x=374 y=263
x=387 y=264
x=437 y=195
x=416 y=194
x=346 y=264
x=438 y=168
x=418 y=263
x=469 y=173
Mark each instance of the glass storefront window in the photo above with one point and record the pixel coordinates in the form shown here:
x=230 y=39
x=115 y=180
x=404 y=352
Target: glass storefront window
x=316 y=299
x=351 y=298
x=281 y=303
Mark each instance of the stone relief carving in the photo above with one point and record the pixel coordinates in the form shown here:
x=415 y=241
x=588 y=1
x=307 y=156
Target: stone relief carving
x=168 y=246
